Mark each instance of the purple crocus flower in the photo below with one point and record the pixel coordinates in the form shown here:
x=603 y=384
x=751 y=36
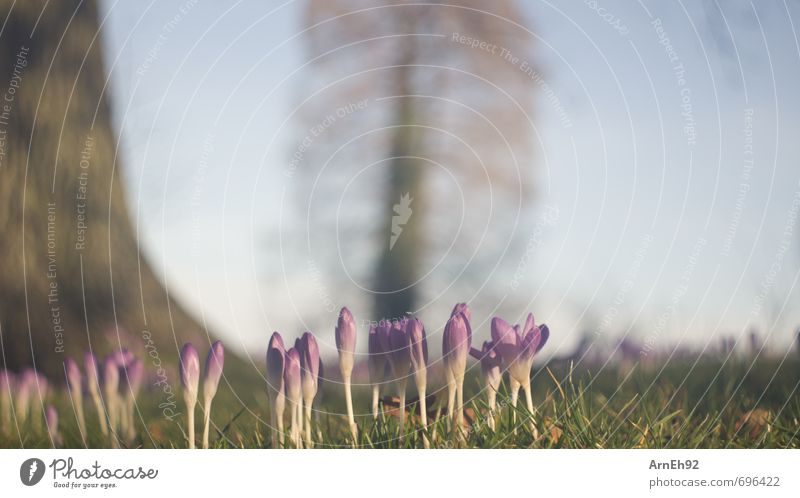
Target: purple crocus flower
x=377 y=360
x=276 y=359
x=133 y=375
x=294 y=392
x=32 y=387
x=213 y=372
x=400 y=348
x=396 y=344
x=310 y=367
x=93 y=387
x=111 y=394
x=345 y=335
x=22 y=400
x=190 y=378
x=492 y=375
x=51 y=419
x=42 y=385
x=418 y=348
x=455 y=349
x=517 y=346
x=74 y=382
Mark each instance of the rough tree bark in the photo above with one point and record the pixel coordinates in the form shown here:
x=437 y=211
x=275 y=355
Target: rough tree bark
x=71 y=273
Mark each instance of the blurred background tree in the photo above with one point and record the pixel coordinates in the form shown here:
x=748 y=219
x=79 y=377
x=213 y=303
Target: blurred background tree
x=416 y=146
x=71 y=273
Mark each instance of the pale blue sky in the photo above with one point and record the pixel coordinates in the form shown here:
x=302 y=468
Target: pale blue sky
x=202 y=104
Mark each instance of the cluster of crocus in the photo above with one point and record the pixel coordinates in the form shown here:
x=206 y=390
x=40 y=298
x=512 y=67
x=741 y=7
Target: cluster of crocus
x=30 y=387
x=190 y=380
x=400 y=347
x=113 y=385
x=122 y=380
x=293 y=376
x=18 y=396
x=514 y=347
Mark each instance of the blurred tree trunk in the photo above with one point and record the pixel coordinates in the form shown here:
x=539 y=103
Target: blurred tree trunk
x=396 y=274
x=71 y=274
x=431 y=175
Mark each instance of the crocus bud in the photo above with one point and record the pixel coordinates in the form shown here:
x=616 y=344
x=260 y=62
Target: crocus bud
x=23 y=395
x=419 y=344
x=110 y=376
x=51 y=419
x=492 y=376
x=345 y=335
x=456 y=342
x=395 y=343
x=214 y=363
x=294 y=391
x=376 y=361
x=384 y=337
x=377 y=358
x=309 y=360
x=457 y=339
x=276 y=360
x=190 y=372
x=76 y=393
x=93 y=387
x=73 y=375
x=213 y=372
x=400 y=348
x=418 y=347
x=40 y=384
x=276 y=357
x=111 y=392
x=135 y=376
x=92 y=376
x=292 y=376
x=190 y=377
x=310 y=366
